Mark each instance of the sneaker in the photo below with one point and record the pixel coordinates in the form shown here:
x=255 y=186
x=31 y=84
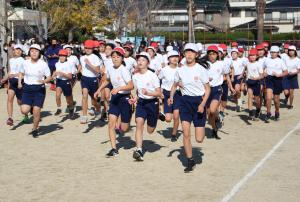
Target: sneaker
x=138 y=155
x=10 y=122
x=191 y=166
x=34 y=133
x=277 y=116
x=71 y=112
x=161 y=116
x=103 y=116
x=267 y=119
x=285 y=101
x=83 y=119
x=67 y=110
x=174 y=138
x=58 y=112
x=92 y=112
x=238 y=108
x=215 y=134
x=112 y=153
x=257 y=113
x=290 y=107
x=251 y=115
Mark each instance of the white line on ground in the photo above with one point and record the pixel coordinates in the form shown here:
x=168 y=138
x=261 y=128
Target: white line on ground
x=244 y=180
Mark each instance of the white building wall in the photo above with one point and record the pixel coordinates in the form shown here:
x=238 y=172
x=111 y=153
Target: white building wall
x=235 y=21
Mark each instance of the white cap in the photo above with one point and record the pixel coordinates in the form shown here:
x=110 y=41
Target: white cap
x=18 y=46
x=144 y=54
x=35 y=46
x=67 y=46
x=275 y=49
x=152 y=48
x=234 y=50
x=292 y=48
x=191 y=46
x=169 y=48
x=117 y=40
x=200 y=46
x=221 y=50
x=172 y=53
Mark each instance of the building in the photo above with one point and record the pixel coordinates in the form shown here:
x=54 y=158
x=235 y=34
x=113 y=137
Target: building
x=210 y=15
x=23 y=23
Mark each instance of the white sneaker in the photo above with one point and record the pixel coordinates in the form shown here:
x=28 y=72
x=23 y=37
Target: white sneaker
x=91 y=112
x=83 y=119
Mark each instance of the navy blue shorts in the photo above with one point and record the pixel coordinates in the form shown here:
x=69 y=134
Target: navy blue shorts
x=13 y=85
x=119 y=105
x=148 y=110
x=65 y=86
x=254 y=85
x=290 y=82
x=189 y=110
x=176 y=101
x=34 y=95
x=109 y=86
x=224 y=96
x=215 y=94
x=91 y=84
x=237 y=81
x=274 y=83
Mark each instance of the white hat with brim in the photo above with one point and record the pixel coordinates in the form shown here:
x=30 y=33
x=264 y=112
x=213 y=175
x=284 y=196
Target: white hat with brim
x=143 y=54
x=275 y=49
x=191 y=46
x=172 y=53
x=35 y=46
x=18 y=46
x=292 y=48
x=67 y=46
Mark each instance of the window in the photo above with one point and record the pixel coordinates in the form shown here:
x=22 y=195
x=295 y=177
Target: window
x=283 y=16
x=209 y=17
x=250 y=13
x=268 y=16
x=236 y=14
x=290 y=15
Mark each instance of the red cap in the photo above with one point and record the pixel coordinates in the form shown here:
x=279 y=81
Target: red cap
x=96 y=44
x=234 y=44
x=101 y=43
x=265 y=44
x=63 y=52
x=212 y=48
x=89 y=44
x=223 y=46
x=128 y=46
x=241 y=50
x=154 y=44
x=286 y=46
x=119 y=50
x=252 y=51
x=259 y=47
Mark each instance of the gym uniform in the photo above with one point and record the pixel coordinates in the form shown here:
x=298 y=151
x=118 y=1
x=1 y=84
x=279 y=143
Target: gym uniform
x=130 y=64
x=254 y=70
x=16 y=66
x=193 y=80
x=147 y=106
x=62 y=82
x=238 y=67
x=291 y=81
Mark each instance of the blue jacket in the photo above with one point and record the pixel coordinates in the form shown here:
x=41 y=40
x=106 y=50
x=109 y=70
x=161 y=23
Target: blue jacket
x=51 y=51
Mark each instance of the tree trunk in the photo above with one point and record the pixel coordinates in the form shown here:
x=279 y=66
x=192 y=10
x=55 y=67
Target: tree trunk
x=71 y=35
x=260 y=9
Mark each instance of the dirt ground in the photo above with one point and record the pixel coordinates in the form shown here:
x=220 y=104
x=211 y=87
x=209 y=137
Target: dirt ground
x=67 y=162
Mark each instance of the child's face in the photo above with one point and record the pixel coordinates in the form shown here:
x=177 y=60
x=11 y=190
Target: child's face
x=62 y=58
x=117 y=59
x=142 y=63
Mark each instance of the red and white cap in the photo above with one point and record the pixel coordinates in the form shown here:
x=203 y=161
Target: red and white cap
x=292 y=48
x=143 y=54
x=172 y=53
x=212 y=48
x=252 y=51
x=119 y=50
x=192 y=47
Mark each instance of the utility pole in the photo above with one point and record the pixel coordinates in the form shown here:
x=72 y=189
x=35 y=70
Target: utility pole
x=191 y=14
x=260 y=10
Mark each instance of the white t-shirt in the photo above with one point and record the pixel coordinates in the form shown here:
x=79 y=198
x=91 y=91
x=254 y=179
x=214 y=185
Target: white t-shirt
x=16 y=65
x=94 y=60
x=74 y=62
x=148 y=81
x=65 y=67
x=284 y=56
x=216 y=72
x=108 y=63
x=165 y=58
x=228 y=64
x=274 y=65
x=245 y=60
x=192 y=79
x=293 y=65
x=167 y=75
x=33 y=72
x=254 y=69
x=159 y=58
x=238 y=66
x=130 y=63
x=155 y=65
x=119 y=77
x=261 y=61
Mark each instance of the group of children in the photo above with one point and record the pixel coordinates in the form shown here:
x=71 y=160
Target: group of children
x=192 y=87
